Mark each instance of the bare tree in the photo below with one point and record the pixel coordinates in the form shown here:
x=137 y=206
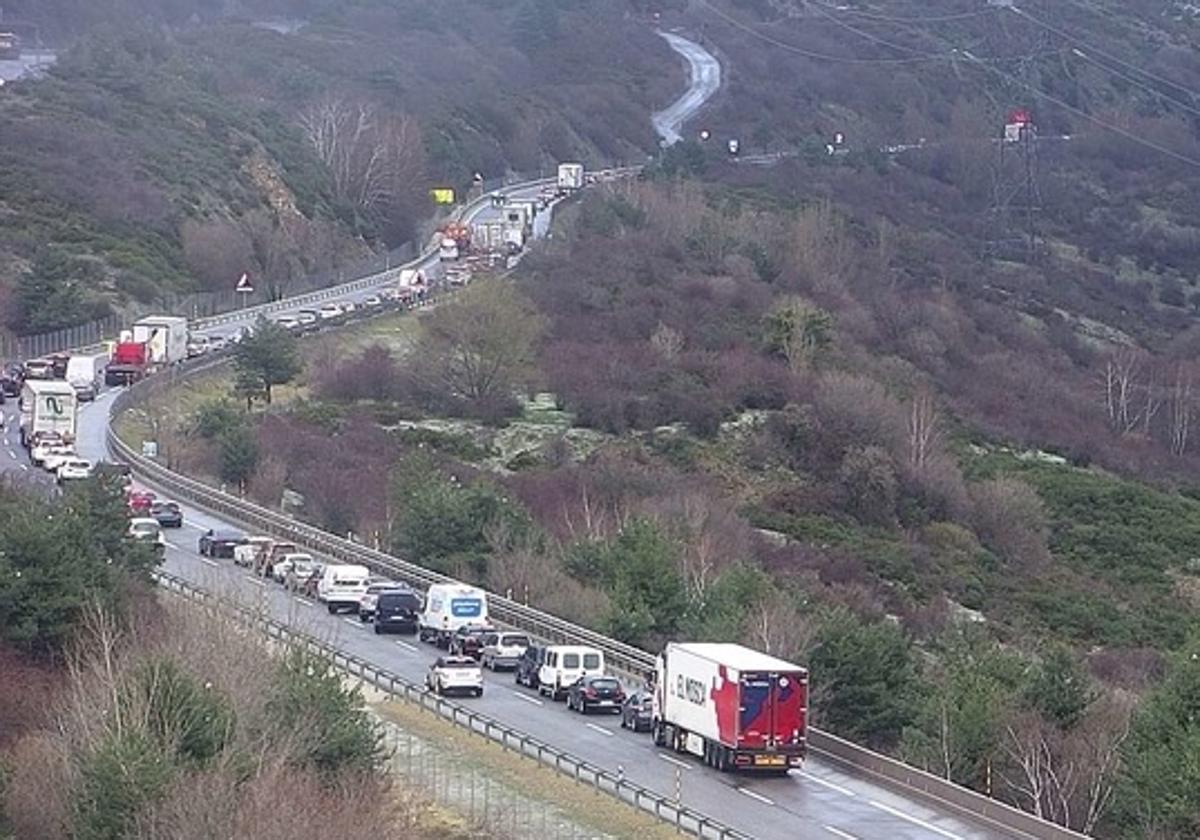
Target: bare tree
x=1131 y=396
x=667 y=341
x=372 y=156
x=1181 y=406
x=924 y=432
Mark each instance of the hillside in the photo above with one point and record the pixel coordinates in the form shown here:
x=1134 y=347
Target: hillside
x=154 y=161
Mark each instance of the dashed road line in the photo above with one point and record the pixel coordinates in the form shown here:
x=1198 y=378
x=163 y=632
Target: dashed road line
x=204 y=560
x=303 y=601
x=528 y=699
x=672 y=760
x=896 y=812
x=407 y=646
x=25 y=467
x=754 y=795
x=254 y=580
x=837 y=832
x=600 y=729
x=353 y=622
x=12 y=454
x=828 y=784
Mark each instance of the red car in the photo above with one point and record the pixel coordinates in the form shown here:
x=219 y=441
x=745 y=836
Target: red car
x=140 y=502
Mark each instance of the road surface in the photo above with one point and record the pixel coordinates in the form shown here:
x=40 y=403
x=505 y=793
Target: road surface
x=31 y=63
x=705 y=73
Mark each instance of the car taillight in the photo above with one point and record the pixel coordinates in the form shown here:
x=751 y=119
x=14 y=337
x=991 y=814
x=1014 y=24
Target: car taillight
x=590 y=692
x=619 y=695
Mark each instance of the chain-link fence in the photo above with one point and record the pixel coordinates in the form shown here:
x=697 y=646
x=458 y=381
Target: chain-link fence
x=494 y=808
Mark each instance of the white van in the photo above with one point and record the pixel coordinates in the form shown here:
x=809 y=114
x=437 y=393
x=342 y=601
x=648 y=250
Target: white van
x=342 y=587
x=564 y=664
x=449 y=606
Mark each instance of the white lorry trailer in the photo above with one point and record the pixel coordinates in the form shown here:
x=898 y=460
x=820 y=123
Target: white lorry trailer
x=85 y=373
x=735 y=708
x=47 y=406
x=165 y=337
x=570 y=177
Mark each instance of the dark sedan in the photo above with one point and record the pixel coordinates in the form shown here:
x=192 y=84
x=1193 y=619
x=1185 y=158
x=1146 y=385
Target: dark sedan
x=468 y=640
x=220 y=543
x=637 y=712
x=168 y=514
x=589 y=693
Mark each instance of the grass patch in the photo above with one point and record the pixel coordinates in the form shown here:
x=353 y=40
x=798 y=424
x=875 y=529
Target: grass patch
x=584 y=805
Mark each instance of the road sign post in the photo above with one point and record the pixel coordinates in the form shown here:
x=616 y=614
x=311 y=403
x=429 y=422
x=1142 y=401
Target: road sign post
x=244 y=288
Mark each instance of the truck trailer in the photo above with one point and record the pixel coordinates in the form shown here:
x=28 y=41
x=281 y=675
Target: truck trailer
x=47 y=406
x=570 y=177
x=165 y=337
x=733 y=707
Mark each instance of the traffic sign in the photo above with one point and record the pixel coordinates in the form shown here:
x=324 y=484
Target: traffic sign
x=244 y=285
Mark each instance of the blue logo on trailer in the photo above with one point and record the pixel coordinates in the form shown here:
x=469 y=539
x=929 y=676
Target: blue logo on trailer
x=466 y=607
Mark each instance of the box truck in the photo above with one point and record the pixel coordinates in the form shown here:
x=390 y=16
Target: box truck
x=733 y=707
x=449 y=606
x=165 y=337
x=85 y=373
x=570 y=177
x=47 y=406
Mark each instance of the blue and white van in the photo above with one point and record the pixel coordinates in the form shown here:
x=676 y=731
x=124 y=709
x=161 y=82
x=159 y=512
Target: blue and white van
x=449 y=606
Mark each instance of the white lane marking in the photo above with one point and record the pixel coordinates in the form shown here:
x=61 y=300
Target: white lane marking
x=754 y=795
x=354 y=622
x=528 y=699
x=303 y=601
x=830 y=785
x=25 y=467
x=671 y=760
x=599 y=729
x=203 y=560
x=407 y=646
x=12 y=454
x=837 y=832
x=896 y=812
x=254 y=580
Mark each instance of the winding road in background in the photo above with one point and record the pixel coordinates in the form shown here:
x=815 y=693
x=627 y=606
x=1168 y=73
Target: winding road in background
x=705 y=72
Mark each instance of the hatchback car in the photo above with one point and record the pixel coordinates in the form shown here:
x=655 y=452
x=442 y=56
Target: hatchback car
x=73 y=469
x=588 y=693
x=301 y=564
x=455 y=673
x=637 y=711
x=502 y=651
x=140 y=502
x=468 y=640
x=168 y=514
x=214 y=543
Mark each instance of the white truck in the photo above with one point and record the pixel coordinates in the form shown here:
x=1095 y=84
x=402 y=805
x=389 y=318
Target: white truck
x=165 y=337
x=488 y=236
x=570 y=177
x=85 y=373
x=733 y=707
x=47 y=406
x=449 y=606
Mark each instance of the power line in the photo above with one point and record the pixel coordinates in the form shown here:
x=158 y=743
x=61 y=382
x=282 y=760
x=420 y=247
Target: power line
x=1116 y=129
x=922 y=19
x=817 y=7
x=1097 y=51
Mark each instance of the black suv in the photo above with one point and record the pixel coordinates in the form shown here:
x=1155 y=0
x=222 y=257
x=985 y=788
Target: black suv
x=397 y=610
x=529 y=664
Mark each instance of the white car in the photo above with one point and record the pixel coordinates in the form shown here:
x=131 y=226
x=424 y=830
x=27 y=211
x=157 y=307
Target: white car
x=366 y=605
x=455 y=673
x=349 y=306
x=329 y=310
x=197 y=345
x=217 y=342
x=244 y=555
x=372 y=301
x=143 y=528
x=288 y=322
x=74 y=468
x=38 y=453
x=302 y=563
x=54 y=457
x=307 y=317
x=502 y=650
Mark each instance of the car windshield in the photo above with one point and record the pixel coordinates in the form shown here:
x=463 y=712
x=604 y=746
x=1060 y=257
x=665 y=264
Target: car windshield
x=606 y=684
x=514 y=641
x=399 y=600
x=591 y=660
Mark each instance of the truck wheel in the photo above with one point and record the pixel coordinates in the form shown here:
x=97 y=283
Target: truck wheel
x=332 y=607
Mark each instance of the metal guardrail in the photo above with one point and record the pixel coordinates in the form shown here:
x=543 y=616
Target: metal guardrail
x=684 y=819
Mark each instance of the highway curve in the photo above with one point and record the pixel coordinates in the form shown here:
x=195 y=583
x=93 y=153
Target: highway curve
x=705 y=73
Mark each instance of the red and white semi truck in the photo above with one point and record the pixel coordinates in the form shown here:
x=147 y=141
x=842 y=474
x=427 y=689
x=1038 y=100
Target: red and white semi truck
x=733 y=707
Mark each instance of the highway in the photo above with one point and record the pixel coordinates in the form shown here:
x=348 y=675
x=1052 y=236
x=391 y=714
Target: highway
x=824 y=800
x=705 y=73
